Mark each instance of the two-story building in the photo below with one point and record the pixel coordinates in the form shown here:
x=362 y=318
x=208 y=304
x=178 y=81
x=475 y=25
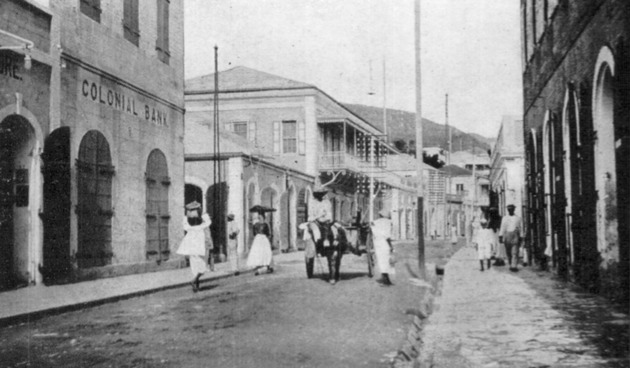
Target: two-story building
x=92 y=140
x=576 y=95
x=278 y=137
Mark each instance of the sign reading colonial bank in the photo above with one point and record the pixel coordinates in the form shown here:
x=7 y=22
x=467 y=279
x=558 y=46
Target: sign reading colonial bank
x=124 y=100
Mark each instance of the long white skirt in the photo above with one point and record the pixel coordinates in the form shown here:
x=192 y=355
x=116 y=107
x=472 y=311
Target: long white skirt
x=383 y=254
x=198 y=264
x=260 y=254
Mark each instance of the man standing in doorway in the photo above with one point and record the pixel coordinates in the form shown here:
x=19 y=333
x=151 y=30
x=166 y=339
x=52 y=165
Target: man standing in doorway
x=510 y=234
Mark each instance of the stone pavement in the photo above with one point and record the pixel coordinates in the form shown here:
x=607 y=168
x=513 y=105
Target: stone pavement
x=37 y=301
x=498 y=318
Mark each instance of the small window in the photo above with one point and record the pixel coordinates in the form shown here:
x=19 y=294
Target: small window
x=91 y=8
x=240 y=128
x=130 y=21
x=459 y=188
x=469 y=167
x=289 y=136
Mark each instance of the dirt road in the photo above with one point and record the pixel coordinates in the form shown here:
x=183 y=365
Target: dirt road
x=281 y=319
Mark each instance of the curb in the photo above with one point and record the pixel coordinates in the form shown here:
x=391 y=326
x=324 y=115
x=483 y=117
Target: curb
x=409 y=354
x=35 y=315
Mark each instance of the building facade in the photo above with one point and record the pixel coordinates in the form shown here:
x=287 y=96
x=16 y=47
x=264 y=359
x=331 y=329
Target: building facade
x=106 y=171
x=507 y=167
x=576 y=130
x=279 y=138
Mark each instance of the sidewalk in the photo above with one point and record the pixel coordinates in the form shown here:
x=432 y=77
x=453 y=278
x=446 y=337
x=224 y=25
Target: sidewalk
x=38 y=301
x=497 y=318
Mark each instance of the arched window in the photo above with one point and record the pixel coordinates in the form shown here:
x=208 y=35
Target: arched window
x=157 y=211
x=94 y=205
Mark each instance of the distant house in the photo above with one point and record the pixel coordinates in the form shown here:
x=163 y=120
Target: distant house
x=507 y=178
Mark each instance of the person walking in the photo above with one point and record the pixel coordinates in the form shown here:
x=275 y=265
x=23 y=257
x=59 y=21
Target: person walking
x=193 y=245
x=383 y=249
x=232 y=245
x=485 y=241
x=260 y=254
x=510 y=234
x=494 y=224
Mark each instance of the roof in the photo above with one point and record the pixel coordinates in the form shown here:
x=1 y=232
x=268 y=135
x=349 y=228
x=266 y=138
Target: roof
x=454 y=170
x=241 y=78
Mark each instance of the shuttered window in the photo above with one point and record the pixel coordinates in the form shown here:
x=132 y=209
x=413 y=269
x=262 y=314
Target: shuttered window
x=162 y=43
x=289 y=136
x=131 y=27
x=94 y=205
x=157 y=211
x=276 y=137
x=301 y=138
x=91 y=8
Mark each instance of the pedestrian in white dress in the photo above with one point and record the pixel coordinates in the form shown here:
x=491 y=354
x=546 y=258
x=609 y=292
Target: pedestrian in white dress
x=383 y=249
x=260 y=254
x=194 y=243
x=486 y=243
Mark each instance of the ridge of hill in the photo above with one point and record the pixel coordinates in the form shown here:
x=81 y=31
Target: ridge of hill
x=401 y=130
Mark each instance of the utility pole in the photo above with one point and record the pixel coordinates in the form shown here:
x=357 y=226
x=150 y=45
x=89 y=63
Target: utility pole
x=419 y=134
x=384 y=102
x=447 y=190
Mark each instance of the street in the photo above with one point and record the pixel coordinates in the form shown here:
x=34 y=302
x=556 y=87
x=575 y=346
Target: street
x=281 y=319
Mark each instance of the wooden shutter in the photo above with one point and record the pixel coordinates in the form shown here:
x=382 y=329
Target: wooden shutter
x=251 y=134
x=130 y=21
x=277 y=139
x=162 y=43
x=301 y=138
x=229 y=127
x=91 y=8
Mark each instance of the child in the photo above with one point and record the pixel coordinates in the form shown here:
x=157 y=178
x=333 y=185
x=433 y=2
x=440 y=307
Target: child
x=485 y=241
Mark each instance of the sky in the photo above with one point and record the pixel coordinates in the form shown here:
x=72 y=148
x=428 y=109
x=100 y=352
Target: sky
x=470 y=51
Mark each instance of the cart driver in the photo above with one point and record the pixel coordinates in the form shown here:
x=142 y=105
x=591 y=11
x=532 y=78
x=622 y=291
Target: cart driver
x=320 y=214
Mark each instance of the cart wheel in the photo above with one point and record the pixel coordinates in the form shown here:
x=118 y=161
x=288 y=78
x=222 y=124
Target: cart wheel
x=310 y=263
x=369 y=254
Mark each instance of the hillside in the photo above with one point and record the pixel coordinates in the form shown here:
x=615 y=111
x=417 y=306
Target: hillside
x=401 y=127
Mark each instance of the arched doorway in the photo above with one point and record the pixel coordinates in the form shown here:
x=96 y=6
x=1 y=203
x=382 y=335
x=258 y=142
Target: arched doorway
x=157 y=211
x=192 y=193
x=94 y=203
x=284 y=213
x=570 y=158
x=269 y=198
x=547 y=152
x=605 y=158
x=17 y=143
x=57 y=206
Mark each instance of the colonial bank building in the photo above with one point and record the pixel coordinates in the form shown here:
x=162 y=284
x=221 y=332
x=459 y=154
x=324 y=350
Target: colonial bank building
x=91 y=138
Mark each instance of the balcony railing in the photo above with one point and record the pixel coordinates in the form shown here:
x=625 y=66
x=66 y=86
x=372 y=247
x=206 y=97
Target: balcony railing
x=338 y=160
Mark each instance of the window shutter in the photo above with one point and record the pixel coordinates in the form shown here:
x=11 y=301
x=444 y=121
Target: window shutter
x=276 y=137
x=251 y=134
x=229 y=127
x=301 y=138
